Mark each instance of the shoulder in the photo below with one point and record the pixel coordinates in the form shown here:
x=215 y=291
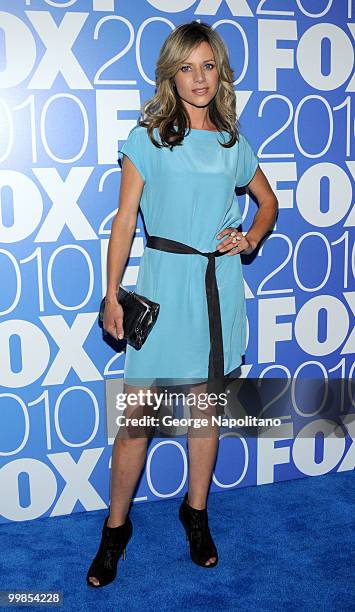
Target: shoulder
x=242 y=140
x=244 y=148
x=140 y=129
x=241 y=143
x=139 y=137
x=137 y=132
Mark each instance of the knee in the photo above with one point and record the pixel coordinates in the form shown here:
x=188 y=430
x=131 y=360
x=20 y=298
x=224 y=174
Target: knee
x=127 y=438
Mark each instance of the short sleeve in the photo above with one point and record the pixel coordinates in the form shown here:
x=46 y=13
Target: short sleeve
x=247 y=162
x=133 y=148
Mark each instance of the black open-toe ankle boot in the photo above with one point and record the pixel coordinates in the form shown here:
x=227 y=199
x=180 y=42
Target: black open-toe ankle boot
x=113 y=543
x=195 y=522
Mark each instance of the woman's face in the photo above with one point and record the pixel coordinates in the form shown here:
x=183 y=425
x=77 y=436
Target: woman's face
x=197 y=79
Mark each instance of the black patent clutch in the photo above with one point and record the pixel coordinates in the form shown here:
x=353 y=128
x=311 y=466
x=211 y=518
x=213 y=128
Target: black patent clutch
x=139 y=316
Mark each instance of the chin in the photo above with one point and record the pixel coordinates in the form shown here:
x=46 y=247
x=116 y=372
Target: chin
x=199 y=105
x=200 y=101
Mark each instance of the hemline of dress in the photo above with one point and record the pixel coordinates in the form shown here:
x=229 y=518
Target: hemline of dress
x=148 y=381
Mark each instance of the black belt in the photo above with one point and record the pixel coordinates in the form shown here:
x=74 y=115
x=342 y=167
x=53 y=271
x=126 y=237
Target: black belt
x=216 y=357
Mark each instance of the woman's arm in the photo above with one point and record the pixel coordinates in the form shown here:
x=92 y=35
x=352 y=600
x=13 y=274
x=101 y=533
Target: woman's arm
x=265 y=216
x=122 y=232
x=264 y=219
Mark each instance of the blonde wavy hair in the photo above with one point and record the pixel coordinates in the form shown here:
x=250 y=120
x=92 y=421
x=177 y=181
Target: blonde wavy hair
x=165 y=108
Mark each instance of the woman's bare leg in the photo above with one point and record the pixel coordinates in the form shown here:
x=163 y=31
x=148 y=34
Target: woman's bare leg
x=128 y=456
x=202 y=450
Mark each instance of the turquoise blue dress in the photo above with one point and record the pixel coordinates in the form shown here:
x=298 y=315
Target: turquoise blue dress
x=188 y=196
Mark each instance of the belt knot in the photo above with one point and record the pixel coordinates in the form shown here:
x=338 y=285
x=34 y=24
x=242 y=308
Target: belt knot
x=213 y=254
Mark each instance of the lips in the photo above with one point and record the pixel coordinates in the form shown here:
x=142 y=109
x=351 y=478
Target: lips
x=200 y=92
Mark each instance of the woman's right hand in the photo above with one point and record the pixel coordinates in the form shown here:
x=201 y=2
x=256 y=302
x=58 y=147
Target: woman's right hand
x=113 y=318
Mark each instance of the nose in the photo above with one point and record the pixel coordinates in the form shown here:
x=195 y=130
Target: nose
x=199 y=76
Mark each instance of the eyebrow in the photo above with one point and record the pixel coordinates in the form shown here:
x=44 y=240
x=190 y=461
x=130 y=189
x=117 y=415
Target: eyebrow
x=207 y=60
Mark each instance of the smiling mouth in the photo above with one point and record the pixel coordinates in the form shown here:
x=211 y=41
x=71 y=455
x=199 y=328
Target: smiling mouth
x=200 y=92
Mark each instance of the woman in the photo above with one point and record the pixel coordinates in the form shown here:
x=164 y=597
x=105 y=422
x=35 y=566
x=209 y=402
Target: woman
x=184 y=179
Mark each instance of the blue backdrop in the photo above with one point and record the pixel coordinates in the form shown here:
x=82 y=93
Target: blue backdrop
x=73 y=77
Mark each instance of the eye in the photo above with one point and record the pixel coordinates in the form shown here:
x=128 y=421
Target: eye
x=210 y=67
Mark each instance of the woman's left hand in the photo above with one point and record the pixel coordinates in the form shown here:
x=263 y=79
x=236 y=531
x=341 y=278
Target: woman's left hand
x=235 y=242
